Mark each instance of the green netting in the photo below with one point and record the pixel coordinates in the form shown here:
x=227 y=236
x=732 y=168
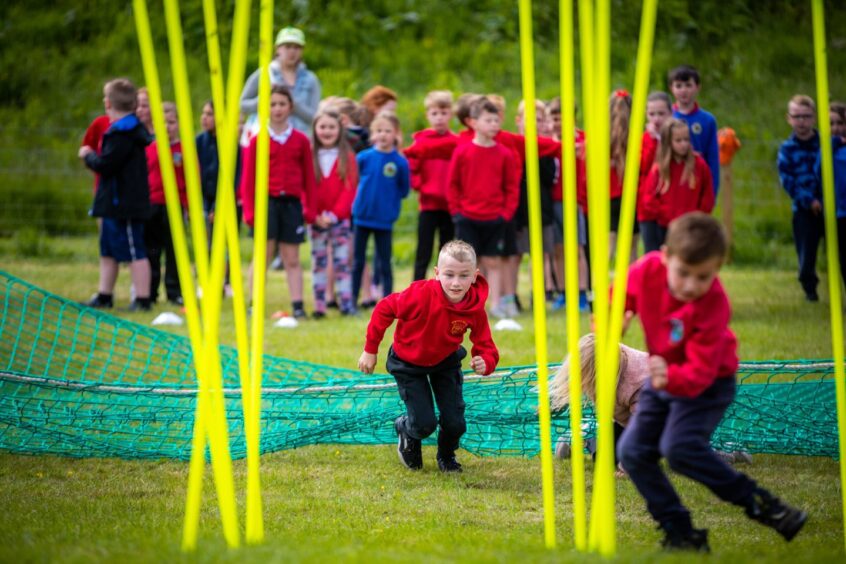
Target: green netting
x=79 y=382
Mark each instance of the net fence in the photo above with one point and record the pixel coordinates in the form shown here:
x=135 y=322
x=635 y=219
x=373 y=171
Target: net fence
x=79 y=382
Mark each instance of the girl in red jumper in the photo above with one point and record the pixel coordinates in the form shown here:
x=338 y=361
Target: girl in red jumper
x=291 y=187
x=337 y=178
x=680 y=180
x=659 y=108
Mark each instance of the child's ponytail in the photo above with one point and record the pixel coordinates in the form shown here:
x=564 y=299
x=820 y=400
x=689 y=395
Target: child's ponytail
x=620 y=111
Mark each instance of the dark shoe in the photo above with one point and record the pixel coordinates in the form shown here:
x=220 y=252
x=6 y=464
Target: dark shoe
x=332 y=305
x=177 y=301
x=318 y=315
x=299 y=313
x=349 y=311
x=368 y=304
x=694 y=540
x=449 y=464
x=812 y=296
x=409 y=449
x=772 y=512
x=99 y=301
x=137 y=305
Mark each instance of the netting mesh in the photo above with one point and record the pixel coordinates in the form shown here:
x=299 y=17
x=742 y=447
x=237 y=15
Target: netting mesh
x=79 y=382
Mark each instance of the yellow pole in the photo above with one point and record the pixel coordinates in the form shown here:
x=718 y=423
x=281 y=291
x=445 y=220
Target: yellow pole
x=571 y=274
x=835 y=297
x=527 y=63
x=219 y=441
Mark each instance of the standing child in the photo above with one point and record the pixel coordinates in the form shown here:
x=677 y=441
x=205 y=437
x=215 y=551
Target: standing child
x=685 y=86
x=693 y=359
x=157 y=232
x=291 y=188
x=425 y=359
x=384 y=182
x=679 y=181
x=659 y=108
x=337 y=178
x=483 y=192
x=122 y=198
x=620 y=110
x=796 y=160
x=838 y=133
x=429 y=178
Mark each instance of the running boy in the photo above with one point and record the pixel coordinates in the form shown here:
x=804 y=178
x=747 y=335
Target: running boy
x=684 y=85
x=122 y=198
x=796 y=160
x=426 y=355
x=685 y=315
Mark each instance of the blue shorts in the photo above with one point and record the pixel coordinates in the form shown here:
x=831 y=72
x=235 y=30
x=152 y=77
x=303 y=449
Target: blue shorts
x=122 y=239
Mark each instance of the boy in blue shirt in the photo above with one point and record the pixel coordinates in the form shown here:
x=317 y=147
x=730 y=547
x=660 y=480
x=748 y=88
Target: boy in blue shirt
x=384 y=181
x=797 y=158
x=684 y=84
x=123 y=197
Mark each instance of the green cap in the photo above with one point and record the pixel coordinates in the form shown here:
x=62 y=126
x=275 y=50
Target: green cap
x=290 y=35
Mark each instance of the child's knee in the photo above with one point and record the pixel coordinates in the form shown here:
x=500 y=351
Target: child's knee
x=455 y=426
x=422 y=427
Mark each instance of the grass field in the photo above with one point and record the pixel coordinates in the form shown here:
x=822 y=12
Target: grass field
x=357 y=503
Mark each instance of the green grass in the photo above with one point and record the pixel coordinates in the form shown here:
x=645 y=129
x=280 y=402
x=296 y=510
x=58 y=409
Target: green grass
x=328 y=503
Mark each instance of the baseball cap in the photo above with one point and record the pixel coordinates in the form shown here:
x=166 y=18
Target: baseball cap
x=290 y=35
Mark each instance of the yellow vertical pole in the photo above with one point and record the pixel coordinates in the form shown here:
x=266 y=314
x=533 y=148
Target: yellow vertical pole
x=832 y=243
x=527 y=63
x=571 y=273
x=214 y=417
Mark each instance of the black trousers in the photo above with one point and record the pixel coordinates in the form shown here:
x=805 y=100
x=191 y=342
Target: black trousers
x=429 y=222
x=808 y=230
x=158 y=239
x=417 y=385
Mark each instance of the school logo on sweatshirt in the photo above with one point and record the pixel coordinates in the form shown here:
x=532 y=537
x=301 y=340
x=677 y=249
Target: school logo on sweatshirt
x=457 y=327
x=177 y=159
x=676 y=331
x=389 y=170
x=696 y=128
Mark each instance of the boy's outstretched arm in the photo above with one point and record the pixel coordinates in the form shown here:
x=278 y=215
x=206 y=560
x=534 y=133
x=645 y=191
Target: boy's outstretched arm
x=367 y=362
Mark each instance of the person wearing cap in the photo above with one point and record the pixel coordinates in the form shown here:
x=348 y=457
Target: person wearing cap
x=287 y=69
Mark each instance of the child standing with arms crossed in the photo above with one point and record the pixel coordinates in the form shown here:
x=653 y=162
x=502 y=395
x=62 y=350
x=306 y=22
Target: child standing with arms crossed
x=337 y=178
x=291 y=188
x=693 y=359
x=679 y=181
x=383 y=183
x=425 y=359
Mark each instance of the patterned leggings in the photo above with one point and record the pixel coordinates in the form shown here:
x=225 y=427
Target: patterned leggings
x=339 y=237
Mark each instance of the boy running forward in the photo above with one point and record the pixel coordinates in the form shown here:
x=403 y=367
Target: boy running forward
x=797 y=159
x=425 y=358
x=122 y=198
x=693 y=358
x=684 y=85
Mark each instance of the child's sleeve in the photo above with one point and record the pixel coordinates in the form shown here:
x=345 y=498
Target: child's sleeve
x=712 y=156
x=415 y=167
x=454 y=184
x=706 y=187
x=702 y=351
x=512 y=174
x=309 y=183
x=384 y=314
x=248 y=183
x=441 y=148
x=114 y=155
x=649 y=195
x=483 y=344
x=343 y=206
x=403 y=176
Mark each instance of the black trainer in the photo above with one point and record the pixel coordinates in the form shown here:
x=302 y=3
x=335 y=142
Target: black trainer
x=772 y=512
x=694 y=540
x=448 y=464
x=100 y=301
x=409 y=449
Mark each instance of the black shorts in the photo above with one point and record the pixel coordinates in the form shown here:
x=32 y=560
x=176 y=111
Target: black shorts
x=486 y=237
x=285 y=220
x=616 y=204
x=509 y=239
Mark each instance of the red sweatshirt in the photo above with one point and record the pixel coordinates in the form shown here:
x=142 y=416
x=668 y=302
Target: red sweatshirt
x=429 y=176
x=154 y=174
x=558 y=187
x=291 y=173
x=648 y=151
x=333 y=194
x=693 y=337
x=442 y=148
x=430 y=327
x=94 y=139
x=679 y=198
x=484 y=182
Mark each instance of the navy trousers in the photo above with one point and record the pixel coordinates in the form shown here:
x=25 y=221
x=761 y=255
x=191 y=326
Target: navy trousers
x=808 y=230
x=679 y=429
x=416 y=386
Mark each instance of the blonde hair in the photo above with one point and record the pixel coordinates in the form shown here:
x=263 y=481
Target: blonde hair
x=390 y=117
x=458 y=250
x=802 y=100
x=343 y=144
x=540 y=108
x=438 y=99
x=169 y=108
x=498 y=100
x=621 y=109
x=665 y=157
x=559 y=389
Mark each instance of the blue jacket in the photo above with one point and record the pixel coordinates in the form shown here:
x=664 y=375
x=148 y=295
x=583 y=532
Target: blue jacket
x=703 y=137
x=383 y=182
x=796 y=169
x=838 y=151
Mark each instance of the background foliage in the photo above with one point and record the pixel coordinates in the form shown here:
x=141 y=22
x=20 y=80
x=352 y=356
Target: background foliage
x=55 y=56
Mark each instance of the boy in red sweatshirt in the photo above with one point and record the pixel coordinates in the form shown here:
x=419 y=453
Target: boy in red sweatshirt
x=693 y=358
x=425 y=359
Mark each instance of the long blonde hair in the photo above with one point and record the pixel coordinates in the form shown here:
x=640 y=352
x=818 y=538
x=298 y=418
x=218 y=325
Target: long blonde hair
x=665 y=157
x=620 y=108
x=559 y=389
x=343 y=144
